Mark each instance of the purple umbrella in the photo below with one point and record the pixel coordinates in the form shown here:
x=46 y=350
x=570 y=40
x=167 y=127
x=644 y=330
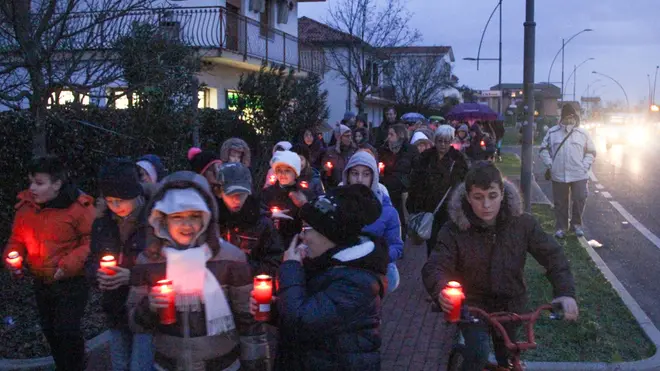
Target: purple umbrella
x=471 y=111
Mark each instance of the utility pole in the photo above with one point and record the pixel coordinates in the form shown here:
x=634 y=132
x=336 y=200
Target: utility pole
x=501 y=108
x=528 y=81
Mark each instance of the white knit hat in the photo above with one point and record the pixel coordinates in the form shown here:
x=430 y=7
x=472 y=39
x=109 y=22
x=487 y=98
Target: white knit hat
x=287 y=158
x=419 y=136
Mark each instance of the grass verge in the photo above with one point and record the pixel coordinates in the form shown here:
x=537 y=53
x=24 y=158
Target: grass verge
x=510 y=165
x=606 y=330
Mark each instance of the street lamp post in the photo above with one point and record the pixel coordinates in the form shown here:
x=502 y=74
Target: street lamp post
x=655 y=80
x=616 y=82
x=563 y=46
x=574 y=74
x=499 y=59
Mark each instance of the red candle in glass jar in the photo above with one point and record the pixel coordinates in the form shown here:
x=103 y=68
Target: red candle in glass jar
x=381 y=167
x=272 y=179
x=106 y=262
x=16 y=261
x=304 y=184
x=167 y=315
x=263 y=294
x=454 y=291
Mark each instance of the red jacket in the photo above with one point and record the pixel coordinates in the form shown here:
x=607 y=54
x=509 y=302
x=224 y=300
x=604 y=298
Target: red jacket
x=53 y=236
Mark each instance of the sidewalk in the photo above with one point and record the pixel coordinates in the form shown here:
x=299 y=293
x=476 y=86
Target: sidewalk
x=414 y=338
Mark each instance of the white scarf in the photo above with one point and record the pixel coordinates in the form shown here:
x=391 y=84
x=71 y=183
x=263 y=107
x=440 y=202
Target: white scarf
x=194 y=285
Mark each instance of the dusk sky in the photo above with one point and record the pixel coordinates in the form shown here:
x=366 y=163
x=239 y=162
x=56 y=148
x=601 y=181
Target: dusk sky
x=625 y=42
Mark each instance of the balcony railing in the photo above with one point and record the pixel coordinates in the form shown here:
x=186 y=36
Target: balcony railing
x=199 y=27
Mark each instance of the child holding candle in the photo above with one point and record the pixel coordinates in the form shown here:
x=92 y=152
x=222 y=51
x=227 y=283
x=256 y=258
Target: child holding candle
x=484 y=247
x=119 y=235
x=310 y=178
x=211 y=283
x=51 y=233
x=287 y=167
x=243 y=223
x=329 y=300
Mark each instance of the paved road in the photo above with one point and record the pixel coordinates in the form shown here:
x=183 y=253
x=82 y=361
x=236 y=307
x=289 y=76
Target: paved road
x=627 y=176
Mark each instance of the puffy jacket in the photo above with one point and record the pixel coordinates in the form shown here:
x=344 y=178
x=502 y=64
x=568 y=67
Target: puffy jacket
x=388 y=225
x=398 y=166
x=575 y=157
x=55 y=235
x=489 y=261
x=186 y=342
x=252 y=230
x=329 y=310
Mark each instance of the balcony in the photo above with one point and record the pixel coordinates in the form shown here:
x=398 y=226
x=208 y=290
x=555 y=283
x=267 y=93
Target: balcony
x=214 y=30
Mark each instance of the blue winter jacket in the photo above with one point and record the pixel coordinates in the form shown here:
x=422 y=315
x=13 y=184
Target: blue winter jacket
x=388 y=227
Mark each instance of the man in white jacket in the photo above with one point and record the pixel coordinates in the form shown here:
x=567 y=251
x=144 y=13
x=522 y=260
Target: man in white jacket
x=569 y=164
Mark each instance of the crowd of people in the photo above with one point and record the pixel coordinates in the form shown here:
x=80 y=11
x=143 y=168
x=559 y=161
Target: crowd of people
x=329 y=226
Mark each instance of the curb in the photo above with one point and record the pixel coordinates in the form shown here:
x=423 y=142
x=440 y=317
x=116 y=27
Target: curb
x=46 y=363
x=650 y=364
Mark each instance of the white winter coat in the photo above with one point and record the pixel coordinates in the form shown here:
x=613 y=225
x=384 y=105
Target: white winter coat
x=575 y=157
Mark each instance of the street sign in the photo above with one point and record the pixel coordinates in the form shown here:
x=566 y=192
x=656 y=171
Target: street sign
x=490 y=93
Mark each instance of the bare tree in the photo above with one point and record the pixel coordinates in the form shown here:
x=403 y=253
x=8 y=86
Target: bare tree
x=419 y=81
x=46 y=45
x=368 y=27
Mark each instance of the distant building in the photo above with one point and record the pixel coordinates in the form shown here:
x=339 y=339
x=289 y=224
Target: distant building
x=341 y=98
x=546 y=98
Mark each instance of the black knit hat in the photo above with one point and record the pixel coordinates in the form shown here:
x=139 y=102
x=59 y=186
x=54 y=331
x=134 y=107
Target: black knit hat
x=119 y=178
x=341 y=214
x=568 y=110
x=201 y=160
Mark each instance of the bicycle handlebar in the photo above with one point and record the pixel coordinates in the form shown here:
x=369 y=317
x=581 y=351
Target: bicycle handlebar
x=529 y=319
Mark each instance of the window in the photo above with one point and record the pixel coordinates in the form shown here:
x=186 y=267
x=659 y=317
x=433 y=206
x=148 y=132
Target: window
x=204 y=97
x=123 y=100
x=373 y=73
x=265 y=20
x=62 y=97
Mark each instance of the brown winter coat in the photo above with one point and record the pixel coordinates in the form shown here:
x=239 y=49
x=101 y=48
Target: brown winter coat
x=55 y=235
x=489 y=261
x=238 y=145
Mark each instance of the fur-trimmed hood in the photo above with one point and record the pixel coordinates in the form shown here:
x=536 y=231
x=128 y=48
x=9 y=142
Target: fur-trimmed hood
x=461 y=214
x=237 y=144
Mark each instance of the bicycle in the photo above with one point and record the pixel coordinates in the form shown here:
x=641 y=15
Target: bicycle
x=475 y=316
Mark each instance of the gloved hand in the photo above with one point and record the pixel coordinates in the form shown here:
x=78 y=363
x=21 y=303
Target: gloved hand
x=569 y=306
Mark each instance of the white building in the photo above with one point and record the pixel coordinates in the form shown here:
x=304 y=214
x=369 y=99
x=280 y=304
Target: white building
x=232 y=36
x=341 y=98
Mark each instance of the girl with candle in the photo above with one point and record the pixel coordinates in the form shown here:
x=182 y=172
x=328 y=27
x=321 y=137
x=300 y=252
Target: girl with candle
x=271 y=178
x=362 y=169
x=211 y=282
x=310 y=178
x=51 y=232
x=287 y=166
x=330 y=292
x=119 y=232
x=484 y=247
x=316 y=147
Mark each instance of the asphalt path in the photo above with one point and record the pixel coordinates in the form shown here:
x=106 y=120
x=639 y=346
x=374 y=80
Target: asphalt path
x=623 y=214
